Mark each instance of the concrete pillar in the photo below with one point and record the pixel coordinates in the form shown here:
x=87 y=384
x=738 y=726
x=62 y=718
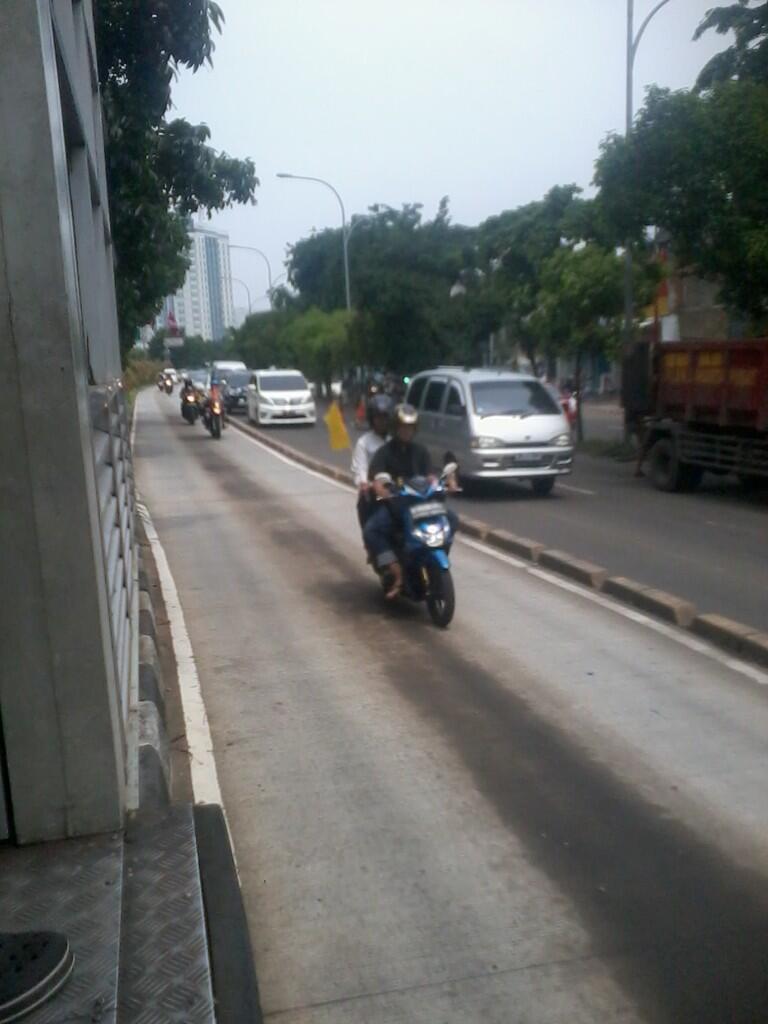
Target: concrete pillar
x=61 y=720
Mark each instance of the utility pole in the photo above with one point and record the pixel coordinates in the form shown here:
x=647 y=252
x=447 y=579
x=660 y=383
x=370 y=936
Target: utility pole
x=344 y=234
x=633 y=42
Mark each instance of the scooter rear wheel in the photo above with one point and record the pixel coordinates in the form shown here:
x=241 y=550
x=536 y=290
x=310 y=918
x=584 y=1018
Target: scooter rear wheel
x=441 y=600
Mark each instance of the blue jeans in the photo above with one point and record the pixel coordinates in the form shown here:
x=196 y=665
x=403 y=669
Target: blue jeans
x=380 y=529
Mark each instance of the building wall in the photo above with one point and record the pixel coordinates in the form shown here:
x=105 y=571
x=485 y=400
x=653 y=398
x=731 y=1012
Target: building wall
x=203 y=305
x=69 y=603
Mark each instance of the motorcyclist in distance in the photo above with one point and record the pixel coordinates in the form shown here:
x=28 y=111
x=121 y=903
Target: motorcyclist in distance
x=379 y=412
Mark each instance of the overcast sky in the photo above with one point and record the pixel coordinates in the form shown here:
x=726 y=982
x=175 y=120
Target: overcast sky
x=490 y=102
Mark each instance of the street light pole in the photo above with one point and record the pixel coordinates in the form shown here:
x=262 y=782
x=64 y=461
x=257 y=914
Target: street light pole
x=252 y=248
x=247 y=291
x=344 y=235
x=633 y=41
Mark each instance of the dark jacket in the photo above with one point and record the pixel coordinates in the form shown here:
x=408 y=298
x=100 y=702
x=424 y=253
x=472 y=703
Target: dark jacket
x=401 y=460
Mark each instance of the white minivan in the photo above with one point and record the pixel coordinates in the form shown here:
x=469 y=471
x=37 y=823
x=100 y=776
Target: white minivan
x=494 y=423
x=280 y=396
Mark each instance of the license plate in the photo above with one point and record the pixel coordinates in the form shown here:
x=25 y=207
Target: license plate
x=427 y=510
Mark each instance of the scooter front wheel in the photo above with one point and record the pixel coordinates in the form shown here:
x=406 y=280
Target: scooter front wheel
x=441 y=599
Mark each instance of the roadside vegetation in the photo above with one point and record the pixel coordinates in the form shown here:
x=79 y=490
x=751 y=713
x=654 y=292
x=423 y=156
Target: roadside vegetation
x=545 y=279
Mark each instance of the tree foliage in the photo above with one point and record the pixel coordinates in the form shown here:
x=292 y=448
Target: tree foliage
x=402 y=271
x=313 y=340
x=261 y=340
x=579 y=304
x=697 y=167
x=515 y=245
x=159 y=172
x=429 y=291
x=747 y=58
x=321 y=344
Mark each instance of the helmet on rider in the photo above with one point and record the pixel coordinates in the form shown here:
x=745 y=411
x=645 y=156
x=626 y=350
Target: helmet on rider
x=405 y=422
x=406 y=415
x=379 y=407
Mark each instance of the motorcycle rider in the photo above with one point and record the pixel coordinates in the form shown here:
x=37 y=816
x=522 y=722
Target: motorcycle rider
x=402 y=458
x=379 y=413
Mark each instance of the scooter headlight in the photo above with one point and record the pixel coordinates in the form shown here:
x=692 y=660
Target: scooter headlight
x=434 y=535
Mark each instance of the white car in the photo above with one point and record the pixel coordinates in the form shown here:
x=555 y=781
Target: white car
x=280 y=396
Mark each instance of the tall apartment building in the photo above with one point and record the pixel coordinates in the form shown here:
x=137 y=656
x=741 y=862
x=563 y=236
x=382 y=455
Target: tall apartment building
x=204 y=306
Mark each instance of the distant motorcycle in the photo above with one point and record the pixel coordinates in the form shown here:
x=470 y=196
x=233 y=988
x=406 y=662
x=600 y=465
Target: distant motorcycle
x=168 y=385
x=213 y=417
x=190 y=410
x=424 y=544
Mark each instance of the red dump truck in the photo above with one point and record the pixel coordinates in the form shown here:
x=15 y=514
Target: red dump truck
x=706 y=409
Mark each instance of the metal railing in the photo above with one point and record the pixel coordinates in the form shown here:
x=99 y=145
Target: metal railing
x=113 y=464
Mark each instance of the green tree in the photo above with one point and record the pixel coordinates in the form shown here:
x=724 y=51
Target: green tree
x=159 y=172
x=321 y=343
x=157 y=346
x=747 y=58
x=262 y=340
x=697 y=167
x=516 y=244
x=579 y=304
x=194 y=353
x=402 y=270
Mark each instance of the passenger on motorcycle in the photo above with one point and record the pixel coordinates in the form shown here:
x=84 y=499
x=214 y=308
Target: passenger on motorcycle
x=401 y=458
x=379 y=418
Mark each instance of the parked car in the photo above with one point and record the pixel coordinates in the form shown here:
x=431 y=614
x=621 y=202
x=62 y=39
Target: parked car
x=495 y=424
x=236 y=390
x=280 y=396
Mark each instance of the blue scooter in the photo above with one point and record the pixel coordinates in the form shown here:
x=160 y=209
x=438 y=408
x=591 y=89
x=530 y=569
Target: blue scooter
x=424 y=543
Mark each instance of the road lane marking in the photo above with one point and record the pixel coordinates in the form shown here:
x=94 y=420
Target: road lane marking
x=202 y=761
x=577 y=490
x=692 y=643
x=241 y=432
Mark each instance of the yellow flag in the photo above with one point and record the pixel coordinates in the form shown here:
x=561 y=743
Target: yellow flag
x=337 y=428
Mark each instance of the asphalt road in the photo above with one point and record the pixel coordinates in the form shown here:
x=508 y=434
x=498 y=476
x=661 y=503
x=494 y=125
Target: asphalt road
x=553 y=813
x=710 y=547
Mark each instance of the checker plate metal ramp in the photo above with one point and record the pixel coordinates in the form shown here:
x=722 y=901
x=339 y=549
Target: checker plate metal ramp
x=165 y=975
x=73 y=887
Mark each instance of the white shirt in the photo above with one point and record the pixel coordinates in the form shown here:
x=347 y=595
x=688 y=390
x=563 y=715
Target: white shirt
x=365 y=448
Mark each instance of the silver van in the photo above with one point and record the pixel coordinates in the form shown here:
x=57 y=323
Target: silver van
x=495 y=424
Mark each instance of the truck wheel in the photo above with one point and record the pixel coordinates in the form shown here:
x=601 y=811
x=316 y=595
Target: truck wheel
x=690 y=476
x=667 y=472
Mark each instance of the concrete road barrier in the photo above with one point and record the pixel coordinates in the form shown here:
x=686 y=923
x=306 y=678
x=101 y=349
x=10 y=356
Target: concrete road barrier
x=475 y=528
x=623 y=588
x=649 y=599
x=523 y=547
x=575 y=568
x=756 y=648
x=666 y=606
x=722 y=631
